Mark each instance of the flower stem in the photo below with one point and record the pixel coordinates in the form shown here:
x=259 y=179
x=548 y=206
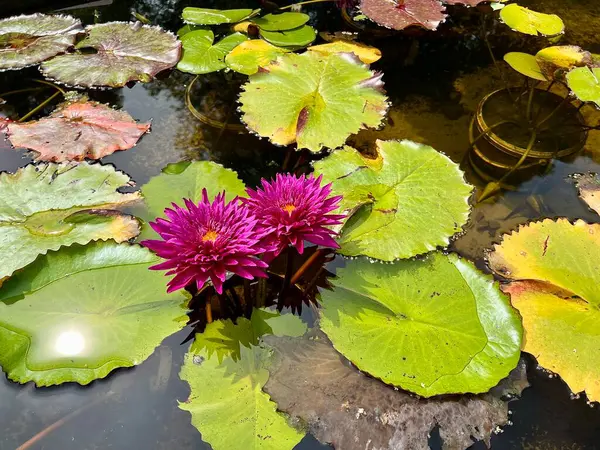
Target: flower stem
x=309 y=262
x=289 y=266
x=208 y=310
x=38 y=107
x=307 y=2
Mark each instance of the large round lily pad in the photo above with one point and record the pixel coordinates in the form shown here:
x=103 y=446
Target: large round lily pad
x=282 y=21
x=28 y=40
x=302 y=98
x=45 y=206
x=293 y=39
x=432 y=326
x=79 y=313
x=76 y=131
x=409 y=200
x=201 y=55
x=124 y=52
x=525 y=64
x=388 y=13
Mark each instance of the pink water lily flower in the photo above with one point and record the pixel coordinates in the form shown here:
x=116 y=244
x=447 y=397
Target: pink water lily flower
x=207 y=241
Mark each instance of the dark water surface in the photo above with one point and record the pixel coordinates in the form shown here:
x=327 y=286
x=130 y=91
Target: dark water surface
x=434 y=82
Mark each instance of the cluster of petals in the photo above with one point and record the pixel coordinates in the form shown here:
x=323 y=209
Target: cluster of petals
x=210 y=241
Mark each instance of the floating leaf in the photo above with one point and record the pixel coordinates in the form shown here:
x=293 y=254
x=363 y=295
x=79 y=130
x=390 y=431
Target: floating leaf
x=585 y=84
x=296 y=38
x=84 y=311
x=408 y=201
x=186 y=180
x=561 y=333
x=46 y=206
x=559 y=253
x=432 y=326
x=29 y=40
x=201 y=56
x=561 y=58
x=78 y=130
x=251 y=55
x=303 y=98
x=282 y=21
x=124 y=52
x=227 y=399
x=205 y=16
x=531 y=22
x=343 y=407
x=388 y=13
x=589 y=187
x=365 y=53
x=525 y=64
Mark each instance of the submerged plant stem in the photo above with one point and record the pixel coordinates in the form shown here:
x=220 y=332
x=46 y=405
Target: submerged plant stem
x=38 y=107
x=208 y=310
x=20 y=91
x=549 y=116
x=48 y=83
x=309 y=262
x=530 y=103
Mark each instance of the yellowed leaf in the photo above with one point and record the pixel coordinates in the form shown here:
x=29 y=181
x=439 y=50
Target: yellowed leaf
x=365 y=53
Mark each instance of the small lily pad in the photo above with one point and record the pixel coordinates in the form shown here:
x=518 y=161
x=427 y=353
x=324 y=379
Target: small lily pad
x=46 y=206
x=250 y=56
x=301 y=98
x=525 y=64
x=78 y=130
x=82 y=312
x=408 y=201
x=365 y=53
x=29 y=40
x=282 y=21
x=585 y=84
x=206 y=16
x=432 y=326
x=556 y=60
x=201 y=56
x=526 y=21
x=124 y=52
x=296 y=38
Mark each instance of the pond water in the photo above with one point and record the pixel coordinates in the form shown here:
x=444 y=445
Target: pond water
x=434 y=81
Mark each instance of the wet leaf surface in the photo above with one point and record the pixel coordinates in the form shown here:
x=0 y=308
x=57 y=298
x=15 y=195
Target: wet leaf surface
x=82 y=312
x=123 y=52
x=46 y=206
x=30 y=39
x=432 y=326
x=302 y=98
x=77 y=131
x=314 y=384
x=408 y=201
x=424 y=13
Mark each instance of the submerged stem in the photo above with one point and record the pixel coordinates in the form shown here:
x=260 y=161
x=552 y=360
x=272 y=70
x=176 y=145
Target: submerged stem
x=530 y=103
x=48 y=83
x=309 y=262
x=549 y=116
x=20 y=91
x=208 y=310
x=40 y=106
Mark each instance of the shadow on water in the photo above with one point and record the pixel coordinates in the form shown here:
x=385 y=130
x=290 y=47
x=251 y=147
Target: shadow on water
x=435 y=82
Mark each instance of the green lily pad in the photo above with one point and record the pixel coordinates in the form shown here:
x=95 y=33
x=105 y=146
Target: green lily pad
x=206 y=16
x=302 y=98
x=186 y=29
x=186 y=180
x=46 y=206
x=29 y=40
x=408 y=201
x=293 y=39
x=226 y=372
x=525 y=64
x=201 y=56
x=585 y=84
x=432 y=326
x=251 y=55
x=77 y=314
x=556 y=60
x=281 y=22
x=531 y=22
x=124 y=52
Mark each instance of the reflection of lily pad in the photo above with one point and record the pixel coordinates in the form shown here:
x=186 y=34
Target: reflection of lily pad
x=29 y=40
x=301 y=98
x=556 y=268
x=201 y=56
x=85 y=312
x=295 y=38
x=282 y=21
x=525 y=64
x=49 y=205
x=186 y=180
x=251 y=55
x=78 y=130
x=206 y=16
x=585 y=84
x=124 y=52
x=340 y=405
x=531 y=22
x=408 y=201
x=432 y=326
x=424 y=13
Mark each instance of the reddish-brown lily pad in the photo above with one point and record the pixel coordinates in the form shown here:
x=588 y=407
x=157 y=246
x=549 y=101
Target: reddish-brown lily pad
x=76 y=131
x=30 y=39
x=400 y=14
x=124 y=52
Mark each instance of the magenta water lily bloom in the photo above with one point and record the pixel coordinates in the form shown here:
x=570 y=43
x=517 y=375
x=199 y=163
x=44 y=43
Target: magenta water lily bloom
x=208 y=240
x=297 y=210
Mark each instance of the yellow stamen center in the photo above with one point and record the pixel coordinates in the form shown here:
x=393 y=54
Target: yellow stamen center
x=289 y=208
x=210 y=235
